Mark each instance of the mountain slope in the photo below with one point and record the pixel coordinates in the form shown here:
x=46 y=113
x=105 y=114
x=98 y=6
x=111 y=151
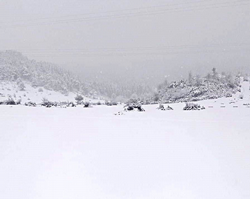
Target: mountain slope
x=22 y=77
x=197 y=88
x=15 y=67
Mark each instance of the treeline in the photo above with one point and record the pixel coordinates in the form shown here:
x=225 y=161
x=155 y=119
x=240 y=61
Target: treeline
x=17 y=68
x=121 y=92
x=194 y=88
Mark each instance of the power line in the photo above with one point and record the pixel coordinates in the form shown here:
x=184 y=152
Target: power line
x=166 y=47
x=135 y=53
x=138 y=12
x=115 y=11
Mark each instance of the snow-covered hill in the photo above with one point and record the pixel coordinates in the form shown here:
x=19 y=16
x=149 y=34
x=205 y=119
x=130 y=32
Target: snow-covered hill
x=197 y=88
x=31 y=94
x=93 y=153
x=28 y=80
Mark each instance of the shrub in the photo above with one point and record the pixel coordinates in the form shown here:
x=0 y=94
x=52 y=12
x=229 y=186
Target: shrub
x=79 y=99
x=108 y=103
x=18 y=102
x=131 y=107
x=169 y=108
x=86 y=105
x=193 y=106
x=71 y=104
x=10 y=101
x=47 y=103
x=33 y=104
x=161 y=107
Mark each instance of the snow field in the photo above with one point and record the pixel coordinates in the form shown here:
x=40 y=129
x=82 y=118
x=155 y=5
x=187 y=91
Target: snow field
x=92 y=153
x=49 y=153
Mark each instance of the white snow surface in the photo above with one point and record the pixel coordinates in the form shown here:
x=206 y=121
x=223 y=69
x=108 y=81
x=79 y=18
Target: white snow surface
x=31 y=94
x=77 y=153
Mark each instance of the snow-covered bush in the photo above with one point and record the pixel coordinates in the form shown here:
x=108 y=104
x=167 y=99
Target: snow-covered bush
x=71 y=104
x=131 y=107
x=32 y=104
x=79 y=99
x=229 y=95
x=9 y=101
x=18 y=101
x=169 y=108
x=86 y=105
x=161 y=107
x=47 y=103
x=108 y=103
x=193 y=106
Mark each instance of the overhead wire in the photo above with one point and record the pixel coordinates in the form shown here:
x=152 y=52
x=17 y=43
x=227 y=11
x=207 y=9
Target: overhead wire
x=138 y=12
x=115 y=11
x=145 y=11
x=140 y=52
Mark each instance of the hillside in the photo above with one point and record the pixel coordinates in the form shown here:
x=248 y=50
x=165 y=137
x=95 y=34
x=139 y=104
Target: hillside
x=21 y=77
x=197 y=88
x=93 y=153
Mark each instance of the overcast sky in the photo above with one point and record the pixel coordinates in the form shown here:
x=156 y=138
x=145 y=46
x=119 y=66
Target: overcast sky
x=94 y=34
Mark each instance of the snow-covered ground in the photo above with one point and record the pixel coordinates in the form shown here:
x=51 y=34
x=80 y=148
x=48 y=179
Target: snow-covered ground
x=76 y=153
x=31 y=94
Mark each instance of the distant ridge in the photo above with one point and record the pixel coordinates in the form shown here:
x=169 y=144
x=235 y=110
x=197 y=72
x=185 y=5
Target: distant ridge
x=197 y=88
x=14 y=67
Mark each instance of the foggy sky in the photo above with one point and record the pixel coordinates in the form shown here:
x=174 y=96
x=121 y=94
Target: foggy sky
x=165 y=38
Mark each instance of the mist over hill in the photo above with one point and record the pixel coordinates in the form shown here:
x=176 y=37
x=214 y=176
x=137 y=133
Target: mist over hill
x=150 y=72
x=196 y=88
x=142 y=83
x=18 y=69
x=14 y=67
